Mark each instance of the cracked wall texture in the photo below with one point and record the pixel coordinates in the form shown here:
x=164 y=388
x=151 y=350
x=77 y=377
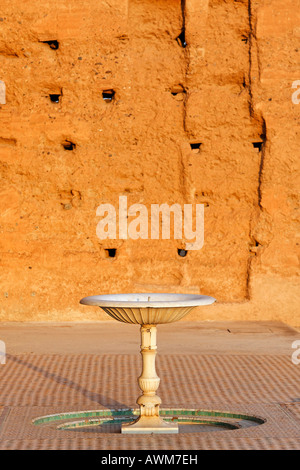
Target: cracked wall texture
x=234 y=79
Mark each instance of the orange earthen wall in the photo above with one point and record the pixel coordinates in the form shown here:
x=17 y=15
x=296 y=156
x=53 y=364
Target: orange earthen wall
x=234 y=79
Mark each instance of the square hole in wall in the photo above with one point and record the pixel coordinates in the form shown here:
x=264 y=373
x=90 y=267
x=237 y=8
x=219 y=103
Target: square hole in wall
x=108 y=95
x=53 y=44
x=181 y=39
x=110 y=252
x=177 y=89
x=181 y=252
x=68 y=145
x=195 y=146
x=54 y=97
x=257 y=146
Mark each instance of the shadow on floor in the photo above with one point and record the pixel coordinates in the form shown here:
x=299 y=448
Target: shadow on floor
x=93 y=396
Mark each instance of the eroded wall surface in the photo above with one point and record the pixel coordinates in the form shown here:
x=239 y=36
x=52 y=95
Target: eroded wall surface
x=217 y=73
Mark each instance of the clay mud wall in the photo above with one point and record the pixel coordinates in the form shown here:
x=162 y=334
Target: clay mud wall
x=162 y=101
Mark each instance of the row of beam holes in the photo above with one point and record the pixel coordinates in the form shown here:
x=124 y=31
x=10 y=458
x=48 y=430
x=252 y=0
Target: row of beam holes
x=111 y=252
x=109 y=95
x=54 y=44
x=195 y=146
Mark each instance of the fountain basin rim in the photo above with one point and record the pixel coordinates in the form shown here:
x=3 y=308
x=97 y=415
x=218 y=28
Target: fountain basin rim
x=148 y=300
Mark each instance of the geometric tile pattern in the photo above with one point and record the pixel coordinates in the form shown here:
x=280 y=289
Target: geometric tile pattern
x=36 y=385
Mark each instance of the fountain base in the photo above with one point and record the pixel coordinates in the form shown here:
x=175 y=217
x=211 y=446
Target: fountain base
x=149 y=425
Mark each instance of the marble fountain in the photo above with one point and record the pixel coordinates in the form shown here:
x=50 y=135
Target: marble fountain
x=148 y=310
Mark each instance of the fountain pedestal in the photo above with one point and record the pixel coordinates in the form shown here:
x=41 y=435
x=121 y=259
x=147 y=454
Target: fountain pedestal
x=149 y=420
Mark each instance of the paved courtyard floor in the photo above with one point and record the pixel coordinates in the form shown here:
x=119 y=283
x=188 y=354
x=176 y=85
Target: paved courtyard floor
x=238 y=367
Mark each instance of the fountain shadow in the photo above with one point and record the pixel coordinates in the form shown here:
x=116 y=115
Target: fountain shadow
x=93 y=396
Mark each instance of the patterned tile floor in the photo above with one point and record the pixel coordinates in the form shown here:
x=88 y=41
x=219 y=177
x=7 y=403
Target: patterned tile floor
x=33 y=385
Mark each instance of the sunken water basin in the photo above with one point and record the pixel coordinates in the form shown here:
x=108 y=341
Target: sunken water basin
x=148 y=310
x=111 y=421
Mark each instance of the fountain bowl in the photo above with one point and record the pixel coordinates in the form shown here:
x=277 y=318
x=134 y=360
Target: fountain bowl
x=147 y=309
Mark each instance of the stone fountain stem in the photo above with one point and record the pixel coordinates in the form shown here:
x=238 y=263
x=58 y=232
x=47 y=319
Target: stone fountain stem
x=148 y=381
x=149 y=420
